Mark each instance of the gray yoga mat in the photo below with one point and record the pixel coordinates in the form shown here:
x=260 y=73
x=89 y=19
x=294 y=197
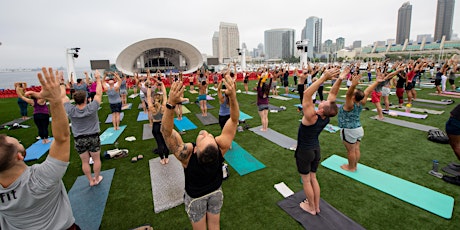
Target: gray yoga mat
x=10 y=123
x=109 y=118
x=434 y=101
x=168 y=183
x=406 y=124
x=277 y=138
x=328 y=218
x=449 y=170
x=208 y=120
x=428 y=105
x=147 y=132
x=420 y=110
x=404 y=114
x=281 y=98
x=274 y=107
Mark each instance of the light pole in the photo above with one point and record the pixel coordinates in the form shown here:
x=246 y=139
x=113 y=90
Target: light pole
x=302 y=46
x=71 y=54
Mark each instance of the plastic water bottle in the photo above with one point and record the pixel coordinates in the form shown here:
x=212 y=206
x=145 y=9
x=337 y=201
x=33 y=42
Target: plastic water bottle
x=435 y=165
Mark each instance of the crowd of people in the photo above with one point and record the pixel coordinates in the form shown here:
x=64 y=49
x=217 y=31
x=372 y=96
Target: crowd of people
x=202 y=160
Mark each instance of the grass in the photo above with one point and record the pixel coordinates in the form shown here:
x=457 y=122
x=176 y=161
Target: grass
x=250 y=200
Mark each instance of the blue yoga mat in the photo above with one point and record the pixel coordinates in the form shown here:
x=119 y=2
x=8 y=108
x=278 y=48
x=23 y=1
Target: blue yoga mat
x=242 y=161
x=110 y=135
x=422 y=197
x=244 y=116
x=290 y=95
x=142 y=116
x=184 y=124
x=88 y=203
x=37 y=150
x=109 y=118
x=127 y=106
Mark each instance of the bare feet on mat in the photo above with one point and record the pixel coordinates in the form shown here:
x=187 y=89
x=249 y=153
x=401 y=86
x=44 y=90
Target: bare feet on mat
x=347 y=168
x=98 y=180
x=162 y=161
x=166 y=160
x=306 y=207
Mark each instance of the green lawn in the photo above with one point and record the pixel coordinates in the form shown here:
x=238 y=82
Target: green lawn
x=250 y=200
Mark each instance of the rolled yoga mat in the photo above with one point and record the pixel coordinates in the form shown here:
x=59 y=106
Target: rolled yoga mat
x=422 y=197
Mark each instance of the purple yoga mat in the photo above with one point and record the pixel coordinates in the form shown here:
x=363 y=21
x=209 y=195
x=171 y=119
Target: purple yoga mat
x=404 y=114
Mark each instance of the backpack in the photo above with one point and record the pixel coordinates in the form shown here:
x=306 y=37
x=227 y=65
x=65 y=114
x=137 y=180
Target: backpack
x=438 y=136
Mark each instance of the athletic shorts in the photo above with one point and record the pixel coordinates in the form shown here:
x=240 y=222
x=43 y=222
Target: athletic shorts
x=437 y=82
x=386 y=91
x=274 y=84
x=84 y=143
x=116 y=108
x=191 y=83
x=123 y=91
x=453 y=126
x=262 y=107
x=376 y=96
x=197 y=208
x=245 y=81
x=202 y=97
x=352 y=135
x=286 y=83
x=409 y=86
x=307 y=159
x=452 y=81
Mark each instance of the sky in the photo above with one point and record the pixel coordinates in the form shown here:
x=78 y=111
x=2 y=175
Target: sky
x=37 y=33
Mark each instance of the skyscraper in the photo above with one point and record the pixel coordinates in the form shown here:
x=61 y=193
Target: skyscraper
x=340 y=43
x=404 y=20
x=313 y=31
x=215 y=44
x=279 y=43
x=357 y=44
x=444 y=19
x=229 y=40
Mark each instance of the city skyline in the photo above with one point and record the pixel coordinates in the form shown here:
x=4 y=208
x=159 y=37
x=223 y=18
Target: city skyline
x=103 y=29
x=404 y=23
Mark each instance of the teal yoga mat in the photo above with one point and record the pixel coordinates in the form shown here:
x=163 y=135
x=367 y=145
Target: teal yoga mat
x=110 y=135
x=37 y=150
x=290 y=95
x=142 y=116
x=184 y=124
x=244 y=116
x=422 y=197
x=242 y=161
x=88 y=203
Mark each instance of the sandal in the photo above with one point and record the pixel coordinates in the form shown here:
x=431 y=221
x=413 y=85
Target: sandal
x=134 y=160
x=140 y=157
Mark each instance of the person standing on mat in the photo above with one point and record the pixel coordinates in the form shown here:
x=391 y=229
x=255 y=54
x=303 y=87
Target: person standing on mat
x=224 y=109
x=157 y=105
x=85 y=129
x=263 y=90
x=123 y=90
x=34 y=197
x=202 y=161
x=113 y=94
x=351 y=131
x=202 y=94
x=308 y=153
x=20 y=87
x=41 y=116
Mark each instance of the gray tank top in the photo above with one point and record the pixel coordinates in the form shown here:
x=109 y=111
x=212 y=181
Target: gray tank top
x=114 y=96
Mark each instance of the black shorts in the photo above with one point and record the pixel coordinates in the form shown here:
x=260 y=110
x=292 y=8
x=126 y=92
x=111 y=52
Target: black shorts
x=245 y=81
x=409 y=86
x=286 y=83
x=116 y=108
x=437 y=82
x=452 y=81
x=90 y=143
x=307 y=159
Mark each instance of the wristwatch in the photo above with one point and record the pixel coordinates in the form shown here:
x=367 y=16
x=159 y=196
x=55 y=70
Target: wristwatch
x=169 y=106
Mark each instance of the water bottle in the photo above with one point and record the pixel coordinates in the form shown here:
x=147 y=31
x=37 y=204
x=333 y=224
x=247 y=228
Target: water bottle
x=435 y=165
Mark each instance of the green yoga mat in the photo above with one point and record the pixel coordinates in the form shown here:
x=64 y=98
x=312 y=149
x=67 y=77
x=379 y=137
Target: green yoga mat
x=422 y=197
x=242 y=161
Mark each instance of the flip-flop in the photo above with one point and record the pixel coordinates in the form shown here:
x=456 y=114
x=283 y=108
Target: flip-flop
x=140 y=157
x=134 y=160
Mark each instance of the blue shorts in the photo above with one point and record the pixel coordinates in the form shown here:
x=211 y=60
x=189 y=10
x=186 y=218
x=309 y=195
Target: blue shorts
x=453 y=126
x=202 y=97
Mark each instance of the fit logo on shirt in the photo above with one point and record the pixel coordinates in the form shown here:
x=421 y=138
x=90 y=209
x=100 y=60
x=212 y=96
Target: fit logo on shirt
x=8 y=196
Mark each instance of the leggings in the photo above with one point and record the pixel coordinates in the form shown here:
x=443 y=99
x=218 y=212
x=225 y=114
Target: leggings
x=42 y=121
x=400 y=94
x=300 y=89
x=22 y=106
x=320 y=92
x=223 y=120
x=162 y=148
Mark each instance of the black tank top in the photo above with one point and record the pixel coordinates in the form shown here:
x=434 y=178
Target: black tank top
x=308 y=135
x=201 y=179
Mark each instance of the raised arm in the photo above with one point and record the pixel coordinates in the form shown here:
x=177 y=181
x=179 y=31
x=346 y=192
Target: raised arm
x=335 y=88
x=219 y=93
x=117 y=77
x=98 y=96
x=26 y=99
x=228 y=132
x=51 y=91
x=87 y=78
x=173 y=140
x=379 y=78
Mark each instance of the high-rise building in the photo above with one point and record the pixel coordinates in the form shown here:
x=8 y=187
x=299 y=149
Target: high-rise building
x=357 y=44
x=279 y=43
x=428 y=38
x=215 y=44
x=404 y=20
x=444 y=19
x=328 y=47
x=313 y=32
x=340 y=43
x=229 y=41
